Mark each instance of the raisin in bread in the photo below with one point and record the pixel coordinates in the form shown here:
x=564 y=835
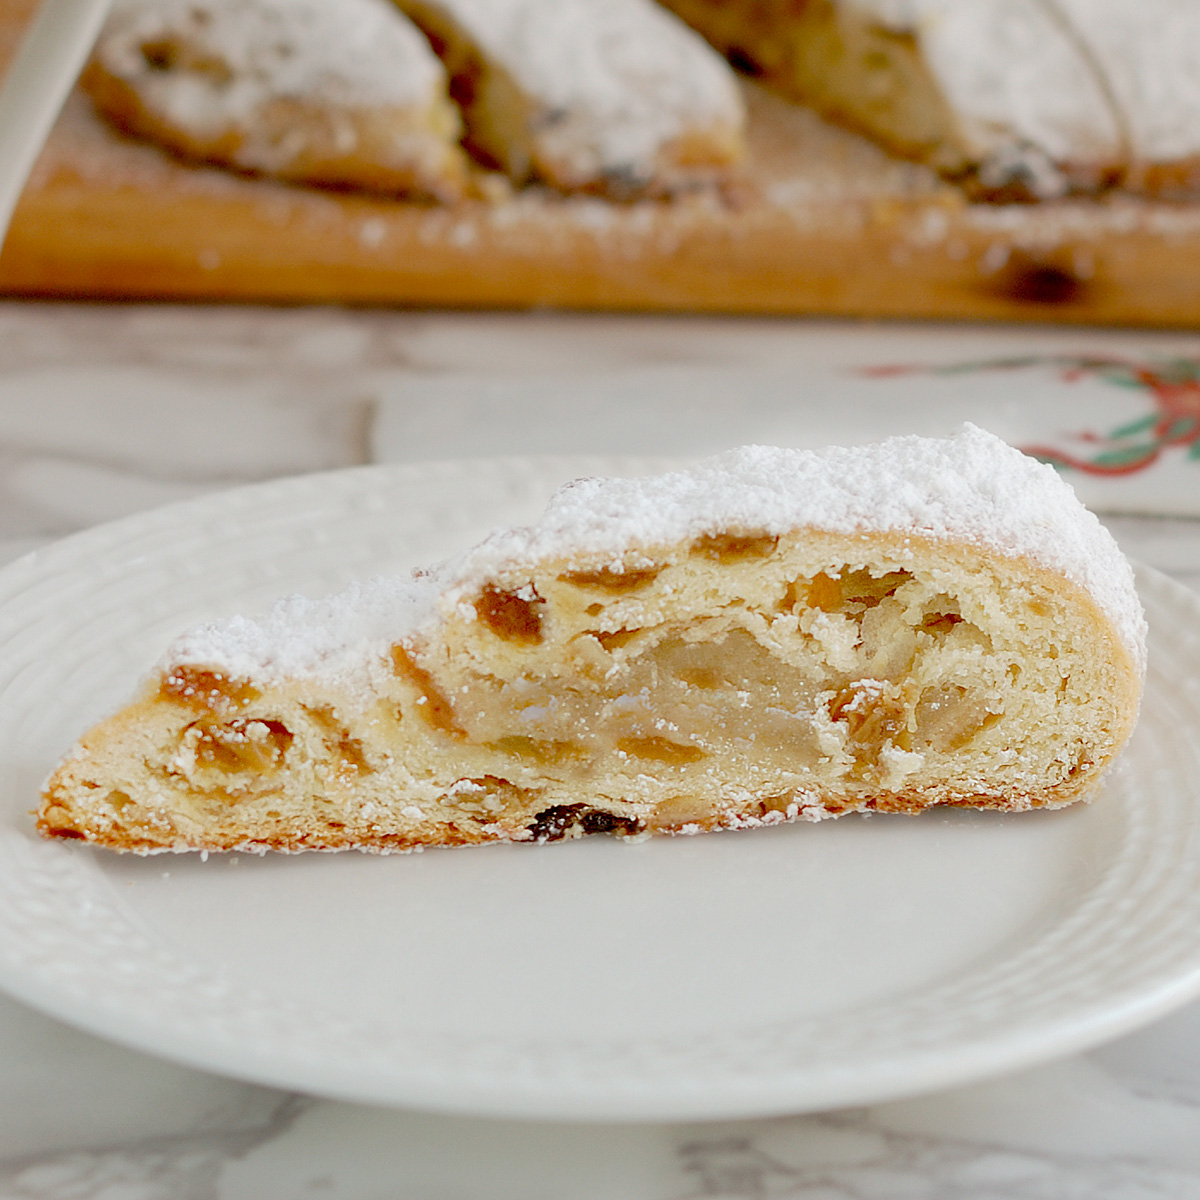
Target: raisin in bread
x=772 y=634
x=346 y=94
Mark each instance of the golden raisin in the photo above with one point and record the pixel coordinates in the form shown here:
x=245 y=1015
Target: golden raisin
x=660 y=750
x=515 y=616
x=542 y=752
x=435 y=707
x=729 y=547
x=241 y=745
x=610 y=580
x=616 y=639
x=870 y=716
x=825 y=593
x=208 y=691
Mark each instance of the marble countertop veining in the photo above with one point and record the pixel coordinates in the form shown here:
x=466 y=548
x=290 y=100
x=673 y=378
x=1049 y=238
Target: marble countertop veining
x=105 y=411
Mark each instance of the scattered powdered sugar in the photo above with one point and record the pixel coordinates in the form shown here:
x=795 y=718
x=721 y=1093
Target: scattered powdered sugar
x=206 y=64
x=970 y=488
x=339 y=636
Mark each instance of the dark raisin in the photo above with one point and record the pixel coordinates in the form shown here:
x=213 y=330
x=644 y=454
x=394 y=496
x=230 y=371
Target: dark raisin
x=553 y=824
x=743 y=60
x=463 y=87
x=596 y=820
x=161 y=55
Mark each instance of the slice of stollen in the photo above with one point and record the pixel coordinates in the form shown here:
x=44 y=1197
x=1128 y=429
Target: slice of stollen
x=1018 y=99
x=345 y=94
x=770 y=635
x=617 y=98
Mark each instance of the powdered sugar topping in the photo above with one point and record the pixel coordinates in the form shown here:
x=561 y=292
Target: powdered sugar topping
x=1099 y=82
x=610 y=83
x=339 y=637
x=207 y=64
x=972 y=488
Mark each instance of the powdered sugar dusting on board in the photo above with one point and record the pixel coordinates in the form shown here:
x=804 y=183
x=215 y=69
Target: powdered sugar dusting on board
x=972 y=488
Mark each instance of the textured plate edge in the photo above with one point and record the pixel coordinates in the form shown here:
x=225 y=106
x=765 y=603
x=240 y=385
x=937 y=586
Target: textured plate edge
x=985 y=1060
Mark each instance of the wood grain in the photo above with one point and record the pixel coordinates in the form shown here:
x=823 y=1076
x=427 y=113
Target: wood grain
x=821 y=222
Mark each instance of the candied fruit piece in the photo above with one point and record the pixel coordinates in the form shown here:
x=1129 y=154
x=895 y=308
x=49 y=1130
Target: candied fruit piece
x=339 y=740
x=939 y=622
x=861 y=587
x=841 y=588
x=160 y=54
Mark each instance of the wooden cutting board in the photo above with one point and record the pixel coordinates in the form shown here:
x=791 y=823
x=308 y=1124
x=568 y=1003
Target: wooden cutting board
x=822 y=223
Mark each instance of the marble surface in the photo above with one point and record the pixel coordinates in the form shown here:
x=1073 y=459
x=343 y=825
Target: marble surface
x=108 y=410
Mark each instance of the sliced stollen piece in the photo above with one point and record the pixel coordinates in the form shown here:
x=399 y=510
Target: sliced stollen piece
x=1019 y=99
x=617 y=98
x=1148 y=54
x=772 y=634
x=344 y=93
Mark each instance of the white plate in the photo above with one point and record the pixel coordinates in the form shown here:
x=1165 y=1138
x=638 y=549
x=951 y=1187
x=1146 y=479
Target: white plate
x=776 y=970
